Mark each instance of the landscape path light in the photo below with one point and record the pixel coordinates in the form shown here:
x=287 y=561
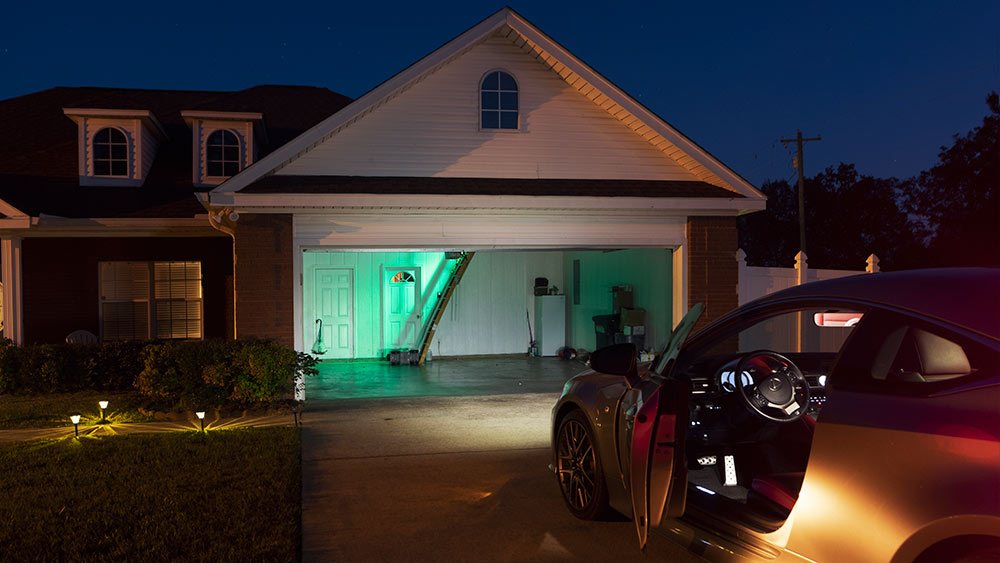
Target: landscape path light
x=103 y=405
x=201 y=417
x=75 y=419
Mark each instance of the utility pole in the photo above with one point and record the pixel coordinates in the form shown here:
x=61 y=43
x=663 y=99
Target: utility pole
x=802 y=181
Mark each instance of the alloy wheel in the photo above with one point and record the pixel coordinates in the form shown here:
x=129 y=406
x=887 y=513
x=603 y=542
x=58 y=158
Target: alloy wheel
x=576 y=465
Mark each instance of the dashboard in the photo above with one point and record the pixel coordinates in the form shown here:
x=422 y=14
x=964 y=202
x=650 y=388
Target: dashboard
x=713 y=382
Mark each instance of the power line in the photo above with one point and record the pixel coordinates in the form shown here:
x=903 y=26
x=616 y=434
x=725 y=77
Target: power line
x=799 y=166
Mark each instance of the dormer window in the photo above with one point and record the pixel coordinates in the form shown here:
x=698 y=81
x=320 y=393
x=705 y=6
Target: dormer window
x=116 y=146
x=222 y=154
x=223 y=143
x=498 y=101
x=110 y=153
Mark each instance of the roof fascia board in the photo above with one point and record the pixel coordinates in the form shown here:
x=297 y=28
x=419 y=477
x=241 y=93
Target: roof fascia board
x=525 y=28
x=366 y=102
x=143 y=114
x=222 y=115
x=10 y=211
x=446 y=202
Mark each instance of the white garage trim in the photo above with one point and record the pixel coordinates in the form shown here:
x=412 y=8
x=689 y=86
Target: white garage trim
x=425 y=233
x=471 y=233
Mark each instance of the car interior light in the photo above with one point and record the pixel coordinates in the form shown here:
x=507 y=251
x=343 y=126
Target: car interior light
x=822 y=381
x=730 y=468
x=704 y=490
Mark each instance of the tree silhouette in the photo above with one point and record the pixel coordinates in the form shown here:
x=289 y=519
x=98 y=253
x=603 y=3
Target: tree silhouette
x=959 y=200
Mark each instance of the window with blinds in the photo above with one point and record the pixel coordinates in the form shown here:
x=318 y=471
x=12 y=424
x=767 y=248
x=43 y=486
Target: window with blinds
x=142 y=300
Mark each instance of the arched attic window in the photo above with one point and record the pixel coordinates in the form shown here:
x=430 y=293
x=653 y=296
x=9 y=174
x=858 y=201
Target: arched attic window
x=222 y=154
x=110 y=152
x=498 y=101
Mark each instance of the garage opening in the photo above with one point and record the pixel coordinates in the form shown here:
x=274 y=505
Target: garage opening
x=366 y=304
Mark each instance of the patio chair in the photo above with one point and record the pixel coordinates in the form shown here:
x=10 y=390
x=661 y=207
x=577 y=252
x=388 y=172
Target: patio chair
x=81 y=337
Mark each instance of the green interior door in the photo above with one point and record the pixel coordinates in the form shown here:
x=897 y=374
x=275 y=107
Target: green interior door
x=334 y=295
x=401 y=318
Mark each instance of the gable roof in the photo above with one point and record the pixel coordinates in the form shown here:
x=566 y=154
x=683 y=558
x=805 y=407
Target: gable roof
x=39 y=172
x=511 y=25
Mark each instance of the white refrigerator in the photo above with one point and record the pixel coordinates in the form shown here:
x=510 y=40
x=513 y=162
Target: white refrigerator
x=550 y=323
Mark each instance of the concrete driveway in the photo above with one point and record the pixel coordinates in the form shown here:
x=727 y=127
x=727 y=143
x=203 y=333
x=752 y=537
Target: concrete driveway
x=446 y=479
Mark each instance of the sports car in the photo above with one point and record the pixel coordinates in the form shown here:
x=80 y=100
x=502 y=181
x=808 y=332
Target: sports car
x=855 y=419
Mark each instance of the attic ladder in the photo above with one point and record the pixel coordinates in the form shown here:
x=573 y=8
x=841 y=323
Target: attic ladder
x=442 y=303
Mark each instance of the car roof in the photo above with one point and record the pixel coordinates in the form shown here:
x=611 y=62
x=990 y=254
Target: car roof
x=967 y=297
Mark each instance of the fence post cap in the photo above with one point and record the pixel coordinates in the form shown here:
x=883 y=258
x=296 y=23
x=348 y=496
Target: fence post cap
x=801 y=259
x=872 y=262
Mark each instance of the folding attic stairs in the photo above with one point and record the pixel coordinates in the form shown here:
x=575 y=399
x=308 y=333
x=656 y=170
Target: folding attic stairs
x=456 y=276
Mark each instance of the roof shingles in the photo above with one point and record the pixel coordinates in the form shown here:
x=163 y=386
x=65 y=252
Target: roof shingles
x=39 y=171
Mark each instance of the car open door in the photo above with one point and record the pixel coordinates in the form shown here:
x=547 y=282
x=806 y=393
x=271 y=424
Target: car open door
x=658 y=474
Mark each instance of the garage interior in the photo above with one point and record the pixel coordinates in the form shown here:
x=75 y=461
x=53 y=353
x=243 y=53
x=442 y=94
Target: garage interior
x=364 y=304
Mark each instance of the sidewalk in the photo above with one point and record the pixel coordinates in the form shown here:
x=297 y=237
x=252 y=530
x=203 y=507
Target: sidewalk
x=112 y=429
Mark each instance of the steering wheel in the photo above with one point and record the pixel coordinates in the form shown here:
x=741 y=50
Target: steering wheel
x=778 y=391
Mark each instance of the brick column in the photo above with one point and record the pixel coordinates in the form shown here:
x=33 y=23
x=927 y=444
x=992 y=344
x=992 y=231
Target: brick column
x=713 y=275
x=264 y=277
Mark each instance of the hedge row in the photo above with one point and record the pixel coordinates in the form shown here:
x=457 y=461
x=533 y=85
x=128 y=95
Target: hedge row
x=169 y=374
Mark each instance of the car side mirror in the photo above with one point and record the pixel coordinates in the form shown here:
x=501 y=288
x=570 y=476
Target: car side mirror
x=617 y=359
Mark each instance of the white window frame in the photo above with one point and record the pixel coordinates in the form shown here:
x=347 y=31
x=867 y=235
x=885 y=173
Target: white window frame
x=499 y=110
x=241 y=159
x=129 y=165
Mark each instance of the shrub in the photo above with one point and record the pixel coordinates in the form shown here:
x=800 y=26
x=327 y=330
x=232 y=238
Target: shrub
x=169 y=374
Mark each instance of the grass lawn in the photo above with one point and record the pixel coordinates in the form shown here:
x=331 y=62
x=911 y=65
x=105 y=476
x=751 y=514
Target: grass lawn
x=42 y=411
x=228 y=495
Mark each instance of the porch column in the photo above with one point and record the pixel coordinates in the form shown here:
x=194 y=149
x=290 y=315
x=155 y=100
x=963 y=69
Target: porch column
x=10 y=273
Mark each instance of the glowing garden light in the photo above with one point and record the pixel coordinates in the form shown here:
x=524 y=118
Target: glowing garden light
x=75 y=419
x=103 y=405
x=201 y=417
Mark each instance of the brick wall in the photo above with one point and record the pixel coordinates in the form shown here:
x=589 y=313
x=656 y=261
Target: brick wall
x=264 y=278
x=713 y=277
x=60 y=280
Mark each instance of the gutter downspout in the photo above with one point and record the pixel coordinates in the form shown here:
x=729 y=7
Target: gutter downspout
x=223 y=220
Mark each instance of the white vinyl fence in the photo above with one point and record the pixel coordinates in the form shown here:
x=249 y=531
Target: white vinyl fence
x=790 y=333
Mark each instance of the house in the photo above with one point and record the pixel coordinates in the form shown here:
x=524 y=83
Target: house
x=276 y=211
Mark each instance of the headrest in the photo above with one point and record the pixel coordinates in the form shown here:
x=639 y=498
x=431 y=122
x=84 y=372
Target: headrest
x=939 y=356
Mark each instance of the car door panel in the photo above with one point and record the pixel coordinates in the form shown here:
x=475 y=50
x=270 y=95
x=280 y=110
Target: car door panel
x=658 y=475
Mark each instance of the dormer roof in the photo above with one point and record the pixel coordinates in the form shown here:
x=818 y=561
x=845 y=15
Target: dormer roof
x=39 y=171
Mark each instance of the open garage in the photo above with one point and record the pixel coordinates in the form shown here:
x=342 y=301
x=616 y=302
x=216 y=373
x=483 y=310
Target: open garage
x=364 y=304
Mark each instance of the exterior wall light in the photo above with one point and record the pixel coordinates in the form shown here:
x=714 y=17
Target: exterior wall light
x=201 y=417
x=103 y=405
x=75 y=419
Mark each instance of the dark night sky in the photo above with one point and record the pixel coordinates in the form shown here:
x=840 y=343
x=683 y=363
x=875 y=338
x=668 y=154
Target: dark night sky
x=885 y=83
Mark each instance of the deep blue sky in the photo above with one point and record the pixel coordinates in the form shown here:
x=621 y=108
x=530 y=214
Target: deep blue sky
x=886 y=84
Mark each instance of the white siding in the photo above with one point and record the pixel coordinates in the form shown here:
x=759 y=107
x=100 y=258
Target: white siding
x=149 y=144
x=432 y=129
x=490 y=309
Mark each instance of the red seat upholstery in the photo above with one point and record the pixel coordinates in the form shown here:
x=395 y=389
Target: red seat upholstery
x=781 y=488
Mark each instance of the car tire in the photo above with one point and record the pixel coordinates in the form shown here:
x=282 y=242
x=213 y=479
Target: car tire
x=578 y=468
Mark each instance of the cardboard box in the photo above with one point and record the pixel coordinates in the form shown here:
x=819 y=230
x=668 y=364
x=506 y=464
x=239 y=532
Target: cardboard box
x=622 y=297
x=633 y=317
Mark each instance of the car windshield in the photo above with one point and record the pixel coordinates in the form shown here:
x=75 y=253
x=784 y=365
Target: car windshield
x=677 y=338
